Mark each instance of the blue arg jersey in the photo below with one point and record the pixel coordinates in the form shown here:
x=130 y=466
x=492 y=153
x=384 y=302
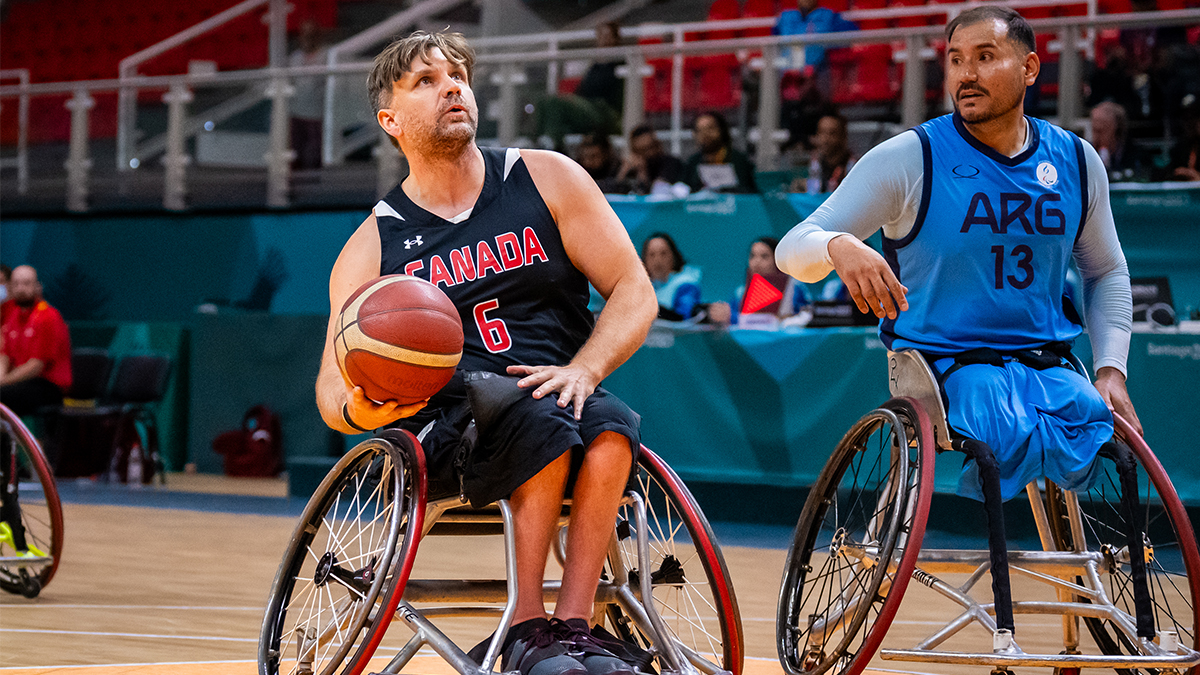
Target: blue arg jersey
x=986 y=260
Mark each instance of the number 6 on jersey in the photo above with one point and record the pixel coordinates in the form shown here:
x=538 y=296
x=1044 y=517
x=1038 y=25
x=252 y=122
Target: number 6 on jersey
x=493 y=331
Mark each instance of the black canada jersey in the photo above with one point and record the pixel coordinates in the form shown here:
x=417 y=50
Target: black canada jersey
x=521 y=299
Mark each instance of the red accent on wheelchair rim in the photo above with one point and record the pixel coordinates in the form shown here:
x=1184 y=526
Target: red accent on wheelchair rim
x=1179 y=518
x=716 y=563
x=49 y=489
x=402 y=567
x=912 y=548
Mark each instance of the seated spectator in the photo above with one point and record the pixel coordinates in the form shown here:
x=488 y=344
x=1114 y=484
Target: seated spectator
x=717 y=166
x=594 y=107
x=35 y=358
x=1185 y=156
x=808 y=19
x=1110 y=137
x=647 y=167
x=831 y=158
x=677 y=284
x=595 y=155
x=762 y=263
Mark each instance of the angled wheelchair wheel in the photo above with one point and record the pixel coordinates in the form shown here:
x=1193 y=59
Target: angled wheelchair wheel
x=348 y=561
x=856 y=543
x=31 y=519
x=692 y=590
x=1173 y=563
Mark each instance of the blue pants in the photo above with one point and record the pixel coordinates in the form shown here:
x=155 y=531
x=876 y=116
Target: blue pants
x=1038 y=423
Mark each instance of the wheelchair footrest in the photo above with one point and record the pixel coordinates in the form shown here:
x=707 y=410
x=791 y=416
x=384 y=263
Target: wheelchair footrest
x=1185 y=659
x=26 y=562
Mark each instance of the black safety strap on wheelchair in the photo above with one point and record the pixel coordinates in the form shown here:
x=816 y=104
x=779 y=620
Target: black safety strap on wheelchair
x=993 y=506
x=10 y=509
x=1123 y=457
x=1049 y=355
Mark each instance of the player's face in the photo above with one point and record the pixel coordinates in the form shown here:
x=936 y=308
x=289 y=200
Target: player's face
x=658 y=259
x=986 y=72
x=433 y=106
x=762 y=260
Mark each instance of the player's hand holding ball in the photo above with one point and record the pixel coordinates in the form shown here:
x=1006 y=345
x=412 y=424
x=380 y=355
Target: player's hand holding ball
x=399 y=341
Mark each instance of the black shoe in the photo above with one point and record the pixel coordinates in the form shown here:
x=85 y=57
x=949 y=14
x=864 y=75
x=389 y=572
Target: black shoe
x=594 y=653
x=539 y=652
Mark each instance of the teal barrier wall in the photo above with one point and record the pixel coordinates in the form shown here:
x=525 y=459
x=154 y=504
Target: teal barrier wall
x=160 y=267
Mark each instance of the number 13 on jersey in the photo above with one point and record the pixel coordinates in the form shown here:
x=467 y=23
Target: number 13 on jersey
x=493 y=331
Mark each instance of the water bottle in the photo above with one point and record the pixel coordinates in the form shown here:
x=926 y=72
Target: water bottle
x=135 y=464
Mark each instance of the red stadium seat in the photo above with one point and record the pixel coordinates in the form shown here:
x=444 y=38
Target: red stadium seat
x=871 y=24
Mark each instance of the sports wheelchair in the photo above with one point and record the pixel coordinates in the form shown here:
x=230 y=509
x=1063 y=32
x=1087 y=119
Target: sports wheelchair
x=31 y=520
x=858 y=541
x=347 y=572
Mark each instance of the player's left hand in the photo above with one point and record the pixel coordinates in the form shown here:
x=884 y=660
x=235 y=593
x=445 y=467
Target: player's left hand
x=573 y=383
x=1111 y=385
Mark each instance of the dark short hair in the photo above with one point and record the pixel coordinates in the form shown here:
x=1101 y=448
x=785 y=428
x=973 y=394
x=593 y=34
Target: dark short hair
x=5 y=271
x=722 y=124
x=771 y=242
x=640 y=130
x=397 y=58
x=679 y=262
x=1019 y=30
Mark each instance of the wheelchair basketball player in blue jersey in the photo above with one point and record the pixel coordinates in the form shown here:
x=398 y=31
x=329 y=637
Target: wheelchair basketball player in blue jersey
x=982 y=211
x=513 y=237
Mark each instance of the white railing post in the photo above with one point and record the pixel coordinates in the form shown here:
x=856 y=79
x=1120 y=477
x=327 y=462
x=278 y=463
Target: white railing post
x=176 y=159
x=635 y=98
x=677 y=95
x=388 y=158
x=330 y=130
x=276 y=20
x=552 y=70
x=913 y=111
x=1070 y=73
x=767 y=156
x=78 y=163
x=507 y=79
x=279 y=156
x=21 y=161
x=126 y=121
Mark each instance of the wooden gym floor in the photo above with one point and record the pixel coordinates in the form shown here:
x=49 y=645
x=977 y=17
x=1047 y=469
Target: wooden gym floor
x=179 y=586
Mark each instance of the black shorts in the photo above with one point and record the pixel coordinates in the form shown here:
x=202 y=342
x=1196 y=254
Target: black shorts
x=516 y=435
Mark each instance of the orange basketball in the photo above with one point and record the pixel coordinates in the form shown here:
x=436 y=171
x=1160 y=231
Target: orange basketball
x=399 y=338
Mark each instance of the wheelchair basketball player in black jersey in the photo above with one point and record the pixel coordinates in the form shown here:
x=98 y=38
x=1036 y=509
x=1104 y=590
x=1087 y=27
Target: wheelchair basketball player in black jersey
x=513 y=238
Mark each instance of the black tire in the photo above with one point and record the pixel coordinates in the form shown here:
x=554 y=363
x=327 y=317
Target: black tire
x=1173 y=572
x=30 y=487
x=345 y=570
x=873 y=494
x=692 y=590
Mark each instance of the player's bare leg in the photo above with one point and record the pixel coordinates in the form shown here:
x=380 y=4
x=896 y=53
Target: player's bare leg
x=536 y=506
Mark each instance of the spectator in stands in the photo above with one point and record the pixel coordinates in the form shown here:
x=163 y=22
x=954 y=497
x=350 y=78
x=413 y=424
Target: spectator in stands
x=307 y=104
x=595 y=154
x=5 y=276
x=647 y=167
x=717 y=166
x=677 y=284
x=808 y=19
x=762 y=263
x=1114 y=82
x=831 y=158
x=1110 y=137
x=594 y=107
x=35 y=359
x=1185 y=156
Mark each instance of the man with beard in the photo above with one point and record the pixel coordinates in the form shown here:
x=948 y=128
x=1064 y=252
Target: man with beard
x=647 y=167
x=982 y=212
x=513 y=237
x=717 y=165
x=35 y=360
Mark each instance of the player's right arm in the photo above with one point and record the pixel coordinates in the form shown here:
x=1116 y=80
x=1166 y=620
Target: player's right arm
x=357 y=264
x=883 y=189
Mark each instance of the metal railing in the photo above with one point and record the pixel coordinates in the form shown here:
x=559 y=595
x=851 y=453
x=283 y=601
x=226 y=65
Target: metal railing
x=20 y=161
x=505 y=68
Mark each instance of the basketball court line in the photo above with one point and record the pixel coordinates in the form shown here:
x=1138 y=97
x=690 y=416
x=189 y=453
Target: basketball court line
x=41 y=631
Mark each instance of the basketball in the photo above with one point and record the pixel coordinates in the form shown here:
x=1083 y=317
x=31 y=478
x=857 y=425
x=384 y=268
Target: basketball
x=399 y=338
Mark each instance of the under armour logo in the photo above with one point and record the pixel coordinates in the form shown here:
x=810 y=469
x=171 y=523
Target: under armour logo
x=408 y=243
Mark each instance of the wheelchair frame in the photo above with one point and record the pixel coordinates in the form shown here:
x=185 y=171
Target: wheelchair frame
x=1076 y=575
x=379 y=598
x=27 y=571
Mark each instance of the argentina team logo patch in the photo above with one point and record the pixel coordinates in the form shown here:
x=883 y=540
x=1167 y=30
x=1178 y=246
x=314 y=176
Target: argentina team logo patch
x=1046 y=174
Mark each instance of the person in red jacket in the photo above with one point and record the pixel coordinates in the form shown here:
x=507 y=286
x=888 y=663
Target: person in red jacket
x=35 y=359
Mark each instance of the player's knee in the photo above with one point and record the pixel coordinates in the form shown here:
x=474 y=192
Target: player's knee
x=982 y=454
x=1121 y=456
x=610 y=449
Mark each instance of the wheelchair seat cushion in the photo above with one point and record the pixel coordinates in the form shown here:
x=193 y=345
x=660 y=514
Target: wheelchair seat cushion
x=518 y=435
x=1048 y=422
